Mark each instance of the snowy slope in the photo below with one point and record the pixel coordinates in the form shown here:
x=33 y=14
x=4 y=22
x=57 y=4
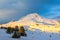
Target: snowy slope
x=34 y=21
x=38 y=19
x=31 y=35
x=38 y=28
x=33 y=18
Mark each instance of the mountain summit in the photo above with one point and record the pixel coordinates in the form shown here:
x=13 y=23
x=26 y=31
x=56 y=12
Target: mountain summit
x=34 y=17
x=33 y=20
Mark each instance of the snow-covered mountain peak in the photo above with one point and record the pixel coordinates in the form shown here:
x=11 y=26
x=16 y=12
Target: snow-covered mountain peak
x=31 y=16
x=34 y=17
x=35 y=21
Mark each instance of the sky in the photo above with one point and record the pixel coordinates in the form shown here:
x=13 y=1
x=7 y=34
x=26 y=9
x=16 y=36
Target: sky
x=15 y=9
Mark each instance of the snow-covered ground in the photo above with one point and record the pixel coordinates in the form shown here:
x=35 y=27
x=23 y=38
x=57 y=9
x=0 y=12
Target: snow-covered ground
x=35 y=21
x=31 y=35
x=40 y=32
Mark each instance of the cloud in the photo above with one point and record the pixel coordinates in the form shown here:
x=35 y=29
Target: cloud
x=15 y=4
x=10 y=7
x=5 y=13
x=53 y=12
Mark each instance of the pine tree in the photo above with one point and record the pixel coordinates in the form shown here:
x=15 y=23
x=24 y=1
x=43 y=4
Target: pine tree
x=16 y=33
x=9 y=30
x=22 y=31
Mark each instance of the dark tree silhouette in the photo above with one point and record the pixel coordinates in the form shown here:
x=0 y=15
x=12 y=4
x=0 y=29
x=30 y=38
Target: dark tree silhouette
x=9 y=30
x=22 y=31
x=16 y=28
x=3 y=28
x=16 y=33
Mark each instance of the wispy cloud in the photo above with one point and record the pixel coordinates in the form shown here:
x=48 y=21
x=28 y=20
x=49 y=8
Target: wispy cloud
x=53 y=12
x=4 y=13
x=10 y=7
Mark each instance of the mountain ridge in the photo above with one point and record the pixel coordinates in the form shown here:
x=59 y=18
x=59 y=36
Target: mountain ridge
x=34 y=18
x=34 y=21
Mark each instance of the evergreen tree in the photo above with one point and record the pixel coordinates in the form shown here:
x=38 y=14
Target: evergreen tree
x=22 y=31
x=9 y=30
x=3 y=28
x=16 y=33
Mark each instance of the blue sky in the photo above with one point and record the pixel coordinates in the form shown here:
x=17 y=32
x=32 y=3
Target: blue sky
x=15 y=9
